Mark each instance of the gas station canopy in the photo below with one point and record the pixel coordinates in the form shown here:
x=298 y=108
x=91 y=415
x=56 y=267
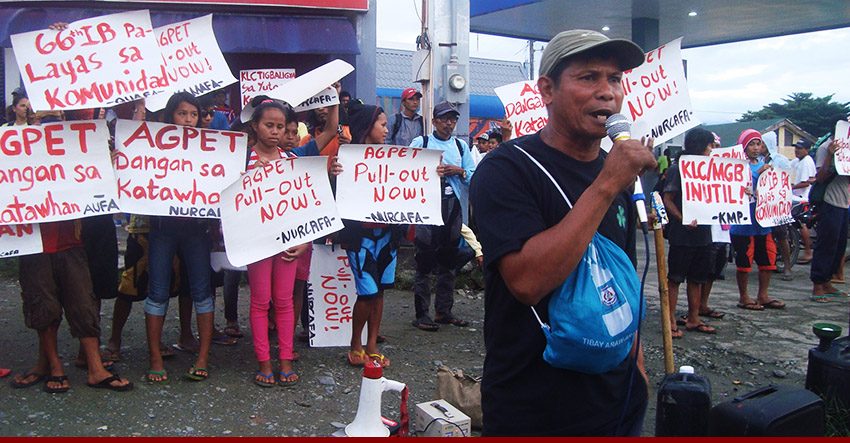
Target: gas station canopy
x=715 y=21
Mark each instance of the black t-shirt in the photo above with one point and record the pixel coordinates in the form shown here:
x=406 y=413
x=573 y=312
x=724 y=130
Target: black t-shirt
x=677 y=234
x=521 y=393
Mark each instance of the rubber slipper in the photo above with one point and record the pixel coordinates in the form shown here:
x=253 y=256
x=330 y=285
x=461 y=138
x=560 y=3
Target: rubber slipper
x=676 y=333
x=823 y=298
x=426 y=324
x=787 y=277
x=681 y=320
x=162 y=375
x=712 y=313
x=106 y=383
x=452 y=320
x=264 y=383
x=181 y=348
x=56 y=379
x=234 y=331
x=110 y=355
x=283 y=379
x=5 y=372
x=20 y=385
x=774 y=304
x=702 y=327
x=751 y=306
x=197 y=374
x=224 y=340
x=357 y=358
x=109 y=365
x=804 y=262
x=166 y=351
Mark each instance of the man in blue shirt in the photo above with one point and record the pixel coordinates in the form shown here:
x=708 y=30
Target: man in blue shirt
x=436 y=246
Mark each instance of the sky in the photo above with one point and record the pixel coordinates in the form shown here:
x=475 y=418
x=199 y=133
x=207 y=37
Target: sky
x=724 y=80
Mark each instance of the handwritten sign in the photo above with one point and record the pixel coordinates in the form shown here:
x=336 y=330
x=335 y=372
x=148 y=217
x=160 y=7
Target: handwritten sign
x=18 y=240
x=95 y=62
x=331 y=296
x=254 y=82
x=773 y=201
x=736 y=151
x=523 y=107
x=191 y=59
x=301 y=88
x=57 y=171
x=389 y=184
x=842 y=156
x=274 y=207
x=656 y=95
x=165 y=169
x=714 y=190
x=326 y=98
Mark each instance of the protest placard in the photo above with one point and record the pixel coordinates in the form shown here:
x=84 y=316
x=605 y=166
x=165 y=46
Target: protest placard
x=165 y=169
x=842 y=156
x=714 y=190
x=331 y=295
x=656 y=95
x=327 y=97
x=95 y=62
x=191 y=60
x=254 y=82
x=523 y=107
x=773 y=197
x=305 y=86
x=56 y=171
x=736 y=151
x=389 y=184
x=273 y=207
x=18 y=240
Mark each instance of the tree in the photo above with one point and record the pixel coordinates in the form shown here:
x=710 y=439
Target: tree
x=816 y=115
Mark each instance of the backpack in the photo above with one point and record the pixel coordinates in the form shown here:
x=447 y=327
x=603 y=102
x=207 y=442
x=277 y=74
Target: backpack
x=457 y=142
x=397 y=118
x=595 y=314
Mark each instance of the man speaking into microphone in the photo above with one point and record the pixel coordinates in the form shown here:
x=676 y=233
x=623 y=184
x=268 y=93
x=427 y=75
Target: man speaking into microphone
x=534 y=239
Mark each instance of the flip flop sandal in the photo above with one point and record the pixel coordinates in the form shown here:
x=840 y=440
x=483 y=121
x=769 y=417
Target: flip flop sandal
x=676 y=333
x=264 y=383
x=224 y=340
x=774 y=304
x=4 y=372
x=181 y=348
x=702 y=327
x=715 y=314
x=283 y=379
x=166 y=351
x=381 y=360
x=197 y=374
x=426 y=324
x=20 y=385
x=162 y=375
x=56 y=379
x=357 y=358
x=823 y=298
x=109 y=365
x=452 y=320
x=752 y=306
x=681 y=320
x=106 y=383
x=234 y=331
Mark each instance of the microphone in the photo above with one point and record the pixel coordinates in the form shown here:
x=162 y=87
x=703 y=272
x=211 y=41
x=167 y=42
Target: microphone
x=619 y=128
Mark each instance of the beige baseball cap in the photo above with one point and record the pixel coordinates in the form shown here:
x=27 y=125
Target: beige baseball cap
x=575 y=41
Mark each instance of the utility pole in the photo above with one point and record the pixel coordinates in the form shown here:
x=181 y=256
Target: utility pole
x=531 y=59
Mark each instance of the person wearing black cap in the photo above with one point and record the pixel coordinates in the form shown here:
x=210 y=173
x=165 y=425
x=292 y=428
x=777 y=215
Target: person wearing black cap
x=804 y=173
x=437 y=246
x=533 y=240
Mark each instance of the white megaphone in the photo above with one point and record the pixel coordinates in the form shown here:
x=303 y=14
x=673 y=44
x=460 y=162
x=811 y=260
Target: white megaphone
x=368 y=422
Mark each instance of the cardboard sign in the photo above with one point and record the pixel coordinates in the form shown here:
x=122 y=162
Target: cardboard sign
x=773 y=198
x=254 y=82
x=165 y=169
x=656 y=95
x=523 y=107
x=191 y=60
x=307 y=85
x=331 y=295
x=736 y=151
x=274 y=207
x=57 y=171
x=714 y=190
x=326 y=98
x=389 y=184
x=96 y=62
x=18 y=240
x=842 y=156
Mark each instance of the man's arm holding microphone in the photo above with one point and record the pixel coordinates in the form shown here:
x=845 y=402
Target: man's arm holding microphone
x=548 y=258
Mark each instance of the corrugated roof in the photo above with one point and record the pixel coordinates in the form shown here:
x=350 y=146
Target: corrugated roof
x=394 y=71
x=729 y=132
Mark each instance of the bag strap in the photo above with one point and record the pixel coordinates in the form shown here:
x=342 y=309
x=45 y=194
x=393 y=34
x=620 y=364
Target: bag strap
x=558 y=187
x=396 y=126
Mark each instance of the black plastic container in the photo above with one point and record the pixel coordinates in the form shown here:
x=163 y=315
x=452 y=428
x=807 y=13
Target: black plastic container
x=683 y=404
x=828 y=373
x=774 y=411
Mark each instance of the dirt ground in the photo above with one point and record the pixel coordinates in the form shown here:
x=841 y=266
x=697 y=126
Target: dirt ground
x=752 y=349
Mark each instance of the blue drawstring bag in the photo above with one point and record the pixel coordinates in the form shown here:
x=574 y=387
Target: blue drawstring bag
x=594 y=314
